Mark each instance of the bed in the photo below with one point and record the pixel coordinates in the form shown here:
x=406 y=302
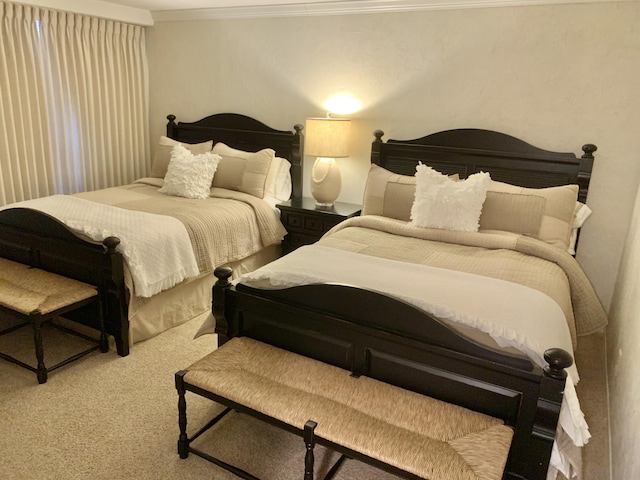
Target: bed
x=362 y=298
x=31 y=233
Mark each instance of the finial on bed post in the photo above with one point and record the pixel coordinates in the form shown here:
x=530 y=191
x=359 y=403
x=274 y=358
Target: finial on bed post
x=584 y=174
x=111 y=243
x=297 y=157
x=375 y=146
x=223 y=274
x=171 y=125
x=558 y=360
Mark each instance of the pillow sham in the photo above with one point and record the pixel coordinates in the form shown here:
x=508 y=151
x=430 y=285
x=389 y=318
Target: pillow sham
x=243 y=171
x=441 y=202
x=189 y=175
x=543 y=213
x=388 y=194
x=162 y=155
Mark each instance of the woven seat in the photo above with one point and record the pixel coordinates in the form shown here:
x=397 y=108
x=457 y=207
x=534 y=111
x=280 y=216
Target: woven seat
x=414 y=433
x=35 y=296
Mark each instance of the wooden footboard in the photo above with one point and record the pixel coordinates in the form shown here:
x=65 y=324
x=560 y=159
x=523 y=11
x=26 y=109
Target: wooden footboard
x=389 y=340
x=34 y=238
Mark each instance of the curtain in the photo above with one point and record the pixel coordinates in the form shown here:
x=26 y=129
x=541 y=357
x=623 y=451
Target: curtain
x=73 y=103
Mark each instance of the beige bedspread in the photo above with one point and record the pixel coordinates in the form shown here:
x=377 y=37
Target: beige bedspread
x=502 y=255
x=226 y=227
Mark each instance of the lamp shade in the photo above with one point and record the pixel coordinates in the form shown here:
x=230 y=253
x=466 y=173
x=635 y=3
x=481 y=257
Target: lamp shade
x=327 y=137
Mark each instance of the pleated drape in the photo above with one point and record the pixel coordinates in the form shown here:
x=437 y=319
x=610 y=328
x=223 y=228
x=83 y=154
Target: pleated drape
x=74 y=103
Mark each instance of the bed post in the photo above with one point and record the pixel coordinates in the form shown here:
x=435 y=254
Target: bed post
x=116 y=310
x=586 y=166
x=376 y=145
x=533 y=458
x=171 y=125
x=218 y=302
x=297 y=159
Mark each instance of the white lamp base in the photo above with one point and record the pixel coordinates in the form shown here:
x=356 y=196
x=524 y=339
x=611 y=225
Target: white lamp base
x=326 y=181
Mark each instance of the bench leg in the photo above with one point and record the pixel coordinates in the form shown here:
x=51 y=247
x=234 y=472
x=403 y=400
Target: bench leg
x=309 y=442
x=183 y=439
x=104 y=340
x=41 y=370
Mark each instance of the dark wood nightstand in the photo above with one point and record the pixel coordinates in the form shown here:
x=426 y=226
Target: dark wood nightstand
x=305 y=223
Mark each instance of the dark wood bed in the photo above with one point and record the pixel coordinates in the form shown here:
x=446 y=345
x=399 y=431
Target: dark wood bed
x=34 y=238
x=387 y=339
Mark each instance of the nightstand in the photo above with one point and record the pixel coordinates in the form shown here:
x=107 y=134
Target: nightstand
x=305 y=223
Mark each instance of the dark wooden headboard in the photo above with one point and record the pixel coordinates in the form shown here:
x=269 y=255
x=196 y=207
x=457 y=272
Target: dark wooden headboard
x=506 y=158
x=245 y=133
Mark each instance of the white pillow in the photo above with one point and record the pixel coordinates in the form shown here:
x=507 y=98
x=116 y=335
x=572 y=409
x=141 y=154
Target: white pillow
x=278 y=183
x=441 y=202
x=580 y=215
x=189 y=175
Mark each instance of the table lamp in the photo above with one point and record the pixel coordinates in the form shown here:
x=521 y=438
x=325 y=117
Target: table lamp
x=327 y=139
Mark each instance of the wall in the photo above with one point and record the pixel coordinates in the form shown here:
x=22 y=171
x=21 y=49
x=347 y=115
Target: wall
x=623 y=341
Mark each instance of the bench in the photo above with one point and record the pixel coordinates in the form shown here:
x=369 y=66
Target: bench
x=34 y=296
x=399 y=431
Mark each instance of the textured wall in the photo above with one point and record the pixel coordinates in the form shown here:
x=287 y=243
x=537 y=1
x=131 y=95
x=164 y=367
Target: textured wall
x=623 y=344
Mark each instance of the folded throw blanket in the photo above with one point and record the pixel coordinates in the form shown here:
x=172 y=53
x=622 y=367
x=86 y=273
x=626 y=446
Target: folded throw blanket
x=157 y=248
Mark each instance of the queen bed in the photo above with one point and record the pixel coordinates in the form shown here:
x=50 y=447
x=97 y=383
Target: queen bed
x=152 y=245
x=412 y=294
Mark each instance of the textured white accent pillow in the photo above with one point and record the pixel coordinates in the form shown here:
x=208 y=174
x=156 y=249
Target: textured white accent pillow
x=189 y=175
x=441 y=202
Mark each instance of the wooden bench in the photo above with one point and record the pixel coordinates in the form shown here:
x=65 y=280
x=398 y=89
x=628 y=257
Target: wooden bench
x=35 y=296
x=396 y=430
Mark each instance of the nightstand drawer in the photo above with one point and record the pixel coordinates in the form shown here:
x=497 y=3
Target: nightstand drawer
x=295 y=240
x=313 y=224
x=293 y=221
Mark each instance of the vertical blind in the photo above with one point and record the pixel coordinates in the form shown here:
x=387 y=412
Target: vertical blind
x=73 y=103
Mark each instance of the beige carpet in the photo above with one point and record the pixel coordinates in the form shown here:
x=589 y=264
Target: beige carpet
x=107 y=417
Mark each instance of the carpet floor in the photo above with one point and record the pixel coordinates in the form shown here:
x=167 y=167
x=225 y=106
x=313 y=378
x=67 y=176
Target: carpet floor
x=109 y=417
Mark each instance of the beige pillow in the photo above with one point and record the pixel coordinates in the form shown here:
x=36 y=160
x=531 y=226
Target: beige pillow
x=513 y=212
x=242 y=171
x=162 y=155
x=543 y=213
x=390 y=194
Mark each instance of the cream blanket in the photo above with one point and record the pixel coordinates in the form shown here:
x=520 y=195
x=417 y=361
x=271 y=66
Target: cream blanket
x=156 y=247
x=512 y=268
x=226 y=227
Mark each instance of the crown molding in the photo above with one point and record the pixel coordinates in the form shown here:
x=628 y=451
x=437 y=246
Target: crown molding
x=96 y=8
x=348 y=7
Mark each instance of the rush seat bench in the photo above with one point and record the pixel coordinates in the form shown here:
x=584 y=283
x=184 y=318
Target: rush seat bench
x=33 y=297
x=399 y=431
